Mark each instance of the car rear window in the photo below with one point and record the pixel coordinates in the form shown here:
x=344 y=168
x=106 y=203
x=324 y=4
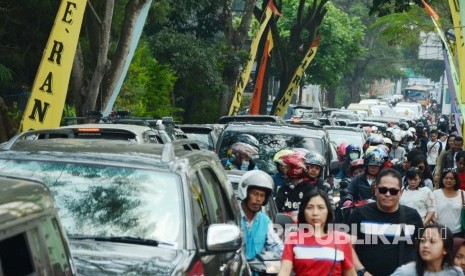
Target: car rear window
x=105 y=201
x=270 y=143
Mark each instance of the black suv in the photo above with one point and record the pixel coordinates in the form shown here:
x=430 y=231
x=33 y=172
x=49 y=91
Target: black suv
x=136 y=209
x=274 y=137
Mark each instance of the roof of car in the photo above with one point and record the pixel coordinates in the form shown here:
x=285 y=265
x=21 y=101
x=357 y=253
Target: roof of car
x=107 y=151
x=256 y=127
x=21 y=197
x=250 y=118
x=344 y=128
x=133 y=128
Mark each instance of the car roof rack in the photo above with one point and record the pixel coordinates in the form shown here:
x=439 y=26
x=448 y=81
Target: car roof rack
x=171 y=150
x=48 y=133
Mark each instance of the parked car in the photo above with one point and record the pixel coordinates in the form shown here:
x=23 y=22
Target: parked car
x=137 y=209
x=32 y=241
x=273 y=138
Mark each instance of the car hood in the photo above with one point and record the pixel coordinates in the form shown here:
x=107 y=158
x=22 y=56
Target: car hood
x=109 y=258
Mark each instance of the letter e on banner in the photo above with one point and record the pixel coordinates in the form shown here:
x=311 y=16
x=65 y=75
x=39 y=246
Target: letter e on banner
x=48 y=94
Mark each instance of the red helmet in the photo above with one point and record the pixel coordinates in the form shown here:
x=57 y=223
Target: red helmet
x=295 y=164
x=341 y=151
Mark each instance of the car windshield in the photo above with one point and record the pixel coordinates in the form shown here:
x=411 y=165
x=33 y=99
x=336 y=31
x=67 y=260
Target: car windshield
x=348 y=137
x=105 y=201
x=270 y=144
x=202 y=138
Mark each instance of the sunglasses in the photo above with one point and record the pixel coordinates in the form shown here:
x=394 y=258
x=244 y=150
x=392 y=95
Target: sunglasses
x=384 y=190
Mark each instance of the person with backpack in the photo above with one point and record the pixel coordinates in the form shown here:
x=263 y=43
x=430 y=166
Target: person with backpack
x=433 y=149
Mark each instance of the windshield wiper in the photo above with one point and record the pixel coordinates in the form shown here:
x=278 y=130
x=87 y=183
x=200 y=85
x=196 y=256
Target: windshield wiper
x=127 y=239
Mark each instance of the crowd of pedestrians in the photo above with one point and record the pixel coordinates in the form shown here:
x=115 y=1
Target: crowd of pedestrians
x=399 y=209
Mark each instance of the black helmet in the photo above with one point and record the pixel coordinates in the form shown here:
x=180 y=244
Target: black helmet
x=373 y=159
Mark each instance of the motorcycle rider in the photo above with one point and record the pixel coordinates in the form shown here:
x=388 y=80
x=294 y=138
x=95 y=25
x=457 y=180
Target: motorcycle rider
x=279 y=177
x=241 y=157
x=360 y=187
x=315 y=164
x=255 y=188
x=289 y=195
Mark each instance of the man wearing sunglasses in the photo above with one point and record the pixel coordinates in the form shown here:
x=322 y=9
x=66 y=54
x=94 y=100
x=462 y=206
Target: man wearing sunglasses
x=384 y=230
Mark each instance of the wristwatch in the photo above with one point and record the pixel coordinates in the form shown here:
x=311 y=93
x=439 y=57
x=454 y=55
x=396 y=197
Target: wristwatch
x=361 y=271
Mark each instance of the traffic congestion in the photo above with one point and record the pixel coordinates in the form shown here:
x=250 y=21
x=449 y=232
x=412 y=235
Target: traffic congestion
x=232 y=137
x=343 y=196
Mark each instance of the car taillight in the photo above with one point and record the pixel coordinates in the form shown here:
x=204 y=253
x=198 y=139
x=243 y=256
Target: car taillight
x=88 y=129
x=197 y=269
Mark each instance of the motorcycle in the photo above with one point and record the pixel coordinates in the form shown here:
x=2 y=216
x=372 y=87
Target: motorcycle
x=269 y=263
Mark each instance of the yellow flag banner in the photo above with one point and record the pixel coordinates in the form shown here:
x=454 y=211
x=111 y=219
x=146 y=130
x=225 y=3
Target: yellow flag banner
x=244 y=77
x=46 y=102
x=284 y=102
x=257 y=92
x=460 y=47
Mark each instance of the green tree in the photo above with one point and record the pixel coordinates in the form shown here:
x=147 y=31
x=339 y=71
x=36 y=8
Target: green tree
x=148 y=87
x=340 y=46
x=198 y=67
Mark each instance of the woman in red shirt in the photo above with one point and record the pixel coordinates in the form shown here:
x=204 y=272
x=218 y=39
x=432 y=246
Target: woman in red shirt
x=315 y=249
x=460 y=162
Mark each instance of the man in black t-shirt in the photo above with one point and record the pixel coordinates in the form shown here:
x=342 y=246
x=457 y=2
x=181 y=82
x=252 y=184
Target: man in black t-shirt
x=385 y=230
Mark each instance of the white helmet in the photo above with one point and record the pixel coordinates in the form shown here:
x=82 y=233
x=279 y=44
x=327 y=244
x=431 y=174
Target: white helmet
x=387 y=141
x=258 y=179
x=397 y=137
x=412 y=130
x=389 y=129
x=374 y=129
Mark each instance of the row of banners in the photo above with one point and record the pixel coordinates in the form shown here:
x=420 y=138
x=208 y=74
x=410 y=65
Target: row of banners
x=293 y=85
x=454 y=57
x=48 y=94
x=45 y=106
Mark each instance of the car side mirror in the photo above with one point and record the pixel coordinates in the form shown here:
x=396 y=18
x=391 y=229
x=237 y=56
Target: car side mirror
x=223 y=238
x=334 y=167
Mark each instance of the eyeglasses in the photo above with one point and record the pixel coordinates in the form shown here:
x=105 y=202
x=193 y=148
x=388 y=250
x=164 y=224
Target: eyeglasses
x=384 y=190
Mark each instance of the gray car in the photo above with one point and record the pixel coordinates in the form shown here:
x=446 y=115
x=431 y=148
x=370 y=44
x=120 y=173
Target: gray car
x=32 y=241
x=137 y=209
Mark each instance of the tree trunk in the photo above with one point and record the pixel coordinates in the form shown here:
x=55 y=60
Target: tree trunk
x=236 y=39
x=308 y=20
x=133 y=10
x=331 y=96
x=7 y=126
x=102 y=61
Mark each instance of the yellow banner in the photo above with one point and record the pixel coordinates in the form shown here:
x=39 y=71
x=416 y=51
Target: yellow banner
x=244 y=78
x=460 y=47
x=45 y=106
x=283 y=104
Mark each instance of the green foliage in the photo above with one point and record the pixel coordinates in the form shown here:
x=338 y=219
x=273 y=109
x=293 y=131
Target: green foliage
x=6 y=75
x=384 y=7
x=15 y=113
x=198 y=66
x=148 y=88
x=340 y=45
